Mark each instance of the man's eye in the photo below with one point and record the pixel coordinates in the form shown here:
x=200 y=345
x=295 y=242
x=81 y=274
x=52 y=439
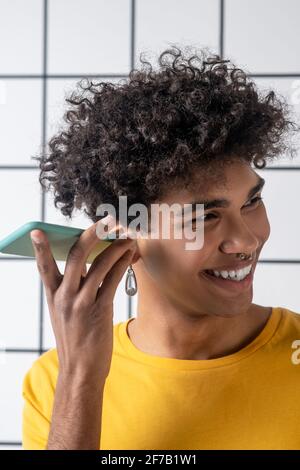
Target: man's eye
x=201 y=218
x=208 y=216
x=254 y=201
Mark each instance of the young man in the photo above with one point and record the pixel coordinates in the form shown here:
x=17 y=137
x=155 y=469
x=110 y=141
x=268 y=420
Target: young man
x=201 y=366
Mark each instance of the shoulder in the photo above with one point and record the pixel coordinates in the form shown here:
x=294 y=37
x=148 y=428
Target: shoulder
x=42 y=375
x=287 y=333
x=290 y=320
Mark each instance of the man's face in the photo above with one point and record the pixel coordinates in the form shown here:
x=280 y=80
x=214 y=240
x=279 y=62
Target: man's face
x=242 y=227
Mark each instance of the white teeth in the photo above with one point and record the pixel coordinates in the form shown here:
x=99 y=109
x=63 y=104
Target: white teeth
x=225 y=274
x=238 y=275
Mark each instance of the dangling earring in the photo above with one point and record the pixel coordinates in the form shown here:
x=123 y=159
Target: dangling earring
x=130 y=283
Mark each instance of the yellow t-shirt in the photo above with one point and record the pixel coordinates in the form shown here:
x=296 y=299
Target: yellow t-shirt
x=246 y=400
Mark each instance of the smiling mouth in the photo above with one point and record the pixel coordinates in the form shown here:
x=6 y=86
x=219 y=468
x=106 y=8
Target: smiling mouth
x=235 y=277
x=229 y=284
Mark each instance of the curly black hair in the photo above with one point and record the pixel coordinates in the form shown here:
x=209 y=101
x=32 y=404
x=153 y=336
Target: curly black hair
x=139 y=137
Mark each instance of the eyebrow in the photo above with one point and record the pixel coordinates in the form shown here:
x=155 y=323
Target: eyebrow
x=222 y=202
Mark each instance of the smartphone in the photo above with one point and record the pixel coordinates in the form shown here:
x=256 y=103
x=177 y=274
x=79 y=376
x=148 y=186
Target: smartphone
x=61 y=238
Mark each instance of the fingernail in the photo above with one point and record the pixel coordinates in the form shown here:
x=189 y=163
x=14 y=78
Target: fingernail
x=35 y=237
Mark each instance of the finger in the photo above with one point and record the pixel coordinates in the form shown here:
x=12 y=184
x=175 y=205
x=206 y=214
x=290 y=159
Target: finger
x=79 y=253
x=84 y=270
x=47 y=267
x=102 y=264
x=106 y=292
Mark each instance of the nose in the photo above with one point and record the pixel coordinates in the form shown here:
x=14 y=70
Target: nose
x=239 y=238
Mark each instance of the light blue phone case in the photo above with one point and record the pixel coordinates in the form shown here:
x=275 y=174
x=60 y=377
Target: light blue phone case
x=61 y=238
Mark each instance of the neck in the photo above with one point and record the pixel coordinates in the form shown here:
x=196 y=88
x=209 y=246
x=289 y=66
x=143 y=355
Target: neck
x=163 y=329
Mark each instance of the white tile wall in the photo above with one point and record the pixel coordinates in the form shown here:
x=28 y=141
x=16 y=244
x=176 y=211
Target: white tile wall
x=10 y=447
x=20 y=136
x=263 y=36
x=13 y=369
x=162 y=22
x=277 y=286
x=19 y=319
x=20 y=199
x=281 y=193
x=94 y=37
x=21 y=33
x=89 y=38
